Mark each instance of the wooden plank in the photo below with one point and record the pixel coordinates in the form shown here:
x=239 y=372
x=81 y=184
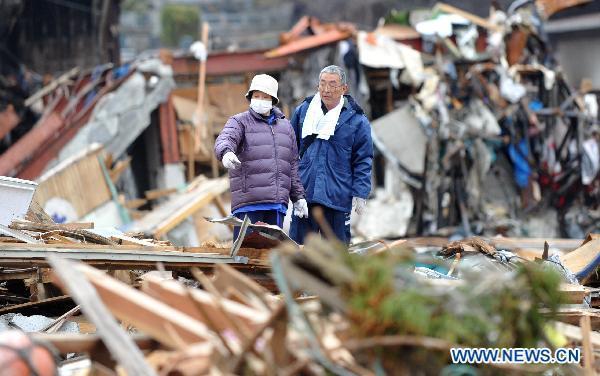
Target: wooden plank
x=85 y=343
x=15 y=254
x=59 y=321
x=278 y=311
x=122 y=348
x=78 y=180
x=78 y=225
x=584 y=259
x=128 y=240
x=62 y=230
x=63 y=79
x=39 y=303
x=469 y=16
x=162 y=322
x=573 y=316
x=9 y=239
x=254 y=294
x=55 y=238
x=586 y=344
x=208 y=251
x=549 y=7
x=533 y=243
x=178 y=296
x=171 y=213
x=591 y=237
x=219 y=302
x=574 y=293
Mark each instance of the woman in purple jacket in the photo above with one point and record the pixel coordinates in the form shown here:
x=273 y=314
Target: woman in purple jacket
x=259 y=149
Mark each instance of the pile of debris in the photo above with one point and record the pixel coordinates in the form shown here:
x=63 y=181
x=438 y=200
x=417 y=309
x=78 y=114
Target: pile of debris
x=376 y=306
x=26 y=242
x=104 y=148
x=491 y=132
x=374 y=311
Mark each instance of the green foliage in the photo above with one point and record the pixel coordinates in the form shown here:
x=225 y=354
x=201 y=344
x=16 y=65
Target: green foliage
x=178 y=21
x=488 y=310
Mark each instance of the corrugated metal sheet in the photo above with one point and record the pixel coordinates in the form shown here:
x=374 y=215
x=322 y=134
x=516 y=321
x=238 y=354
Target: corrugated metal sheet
x=222 y=64
x=308 y=43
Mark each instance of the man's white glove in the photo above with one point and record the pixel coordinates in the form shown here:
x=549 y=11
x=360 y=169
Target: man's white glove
x=359 y=205
x=231 y=161
x=301 y=208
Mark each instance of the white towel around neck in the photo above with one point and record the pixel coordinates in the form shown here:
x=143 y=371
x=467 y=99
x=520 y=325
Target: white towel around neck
x=315 y=122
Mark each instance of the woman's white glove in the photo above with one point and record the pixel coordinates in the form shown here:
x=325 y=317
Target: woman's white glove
x=231 y=161
x=359 y=205
x=301 y=208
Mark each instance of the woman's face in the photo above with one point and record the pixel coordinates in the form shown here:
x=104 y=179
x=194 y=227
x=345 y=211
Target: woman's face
x=256 y=94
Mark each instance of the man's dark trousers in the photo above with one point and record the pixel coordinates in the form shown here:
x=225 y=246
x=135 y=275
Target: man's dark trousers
x=338 y=221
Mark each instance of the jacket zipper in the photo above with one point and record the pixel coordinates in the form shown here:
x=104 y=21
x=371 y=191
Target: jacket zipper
x=276 y=162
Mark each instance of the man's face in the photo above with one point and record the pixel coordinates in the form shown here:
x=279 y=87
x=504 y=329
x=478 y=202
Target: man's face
x=331 y=89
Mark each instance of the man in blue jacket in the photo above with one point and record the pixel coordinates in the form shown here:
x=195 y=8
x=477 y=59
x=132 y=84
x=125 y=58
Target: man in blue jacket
x=336 y=155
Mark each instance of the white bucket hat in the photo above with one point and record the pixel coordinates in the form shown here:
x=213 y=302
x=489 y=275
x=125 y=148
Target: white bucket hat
x=264 y=83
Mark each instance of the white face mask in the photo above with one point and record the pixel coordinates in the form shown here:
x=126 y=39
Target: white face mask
x=261 y=106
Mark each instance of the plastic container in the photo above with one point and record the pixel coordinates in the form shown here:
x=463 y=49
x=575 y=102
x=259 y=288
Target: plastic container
x=15 y=198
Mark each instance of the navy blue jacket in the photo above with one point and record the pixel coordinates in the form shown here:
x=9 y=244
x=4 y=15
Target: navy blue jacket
x=335 y=170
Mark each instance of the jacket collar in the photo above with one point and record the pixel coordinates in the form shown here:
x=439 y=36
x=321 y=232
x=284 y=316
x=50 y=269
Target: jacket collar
x=349 y=103
x=277 y=111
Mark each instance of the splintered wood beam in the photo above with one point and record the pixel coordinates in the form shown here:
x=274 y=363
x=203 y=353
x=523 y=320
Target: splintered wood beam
x=176 y=295
x=40 y=303
x=86 y=343
x=63 y=230
x=253 y=293
x=161 y=321
x=79 y=225
x=120 y=345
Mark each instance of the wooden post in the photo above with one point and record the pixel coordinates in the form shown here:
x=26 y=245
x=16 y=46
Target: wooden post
x=191 y=154
x=587 y=349
x=201 y=93
x=202 y=71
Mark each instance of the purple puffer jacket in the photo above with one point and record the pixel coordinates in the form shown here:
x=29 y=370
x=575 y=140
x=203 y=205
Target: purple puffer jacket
x=269 y=156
